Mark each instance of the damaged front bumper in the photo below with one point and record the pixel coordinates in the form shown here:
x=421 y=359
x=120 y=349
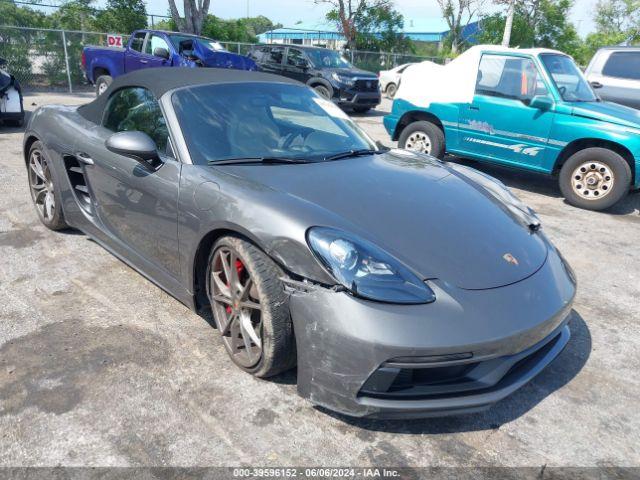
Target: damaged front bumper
x=460 y=354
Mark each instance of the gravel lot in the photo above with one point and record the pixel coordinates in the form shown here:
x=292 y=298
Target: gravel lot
x=100 y=367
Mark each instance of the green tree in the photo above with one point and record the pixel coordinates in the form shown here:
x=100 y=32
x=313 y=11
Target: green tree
x=380 y=29
x=458 y=14
x=122 y=16
x=617 y=22
x=348 y=15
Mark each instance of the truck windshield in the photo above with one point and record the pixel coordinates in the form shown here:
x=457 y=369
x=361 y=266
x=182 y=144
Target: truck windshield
x=322 y=58
x=568 y=79
x=207 y=42
x=224 y=122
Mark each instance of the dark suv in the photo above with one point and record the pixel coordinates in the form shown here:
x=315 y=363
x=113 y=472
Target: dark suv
x=326 y=71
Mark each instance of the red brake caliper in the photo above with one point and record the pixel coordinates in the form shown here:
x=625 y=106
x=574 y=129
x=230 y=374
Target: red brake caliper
x=240 y=270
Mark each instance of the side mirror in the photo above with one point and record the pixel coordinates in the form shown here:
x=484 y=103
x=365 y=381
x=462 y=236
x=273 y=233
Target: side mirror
x=136 y=145
x=161 y=52
x=302 y=63
x=541 y=102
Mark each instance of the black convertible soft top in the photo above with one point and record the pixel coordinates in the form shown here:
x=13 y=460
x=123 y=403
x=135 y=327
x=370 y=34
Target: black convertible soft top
x=161 y=80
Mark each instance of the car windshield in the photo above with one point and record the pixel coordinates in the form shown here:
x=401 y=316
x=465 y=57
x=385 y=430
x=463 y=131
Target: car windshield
x=568 y=79
x=207 y=42
x=264 y=120
x=327 y=59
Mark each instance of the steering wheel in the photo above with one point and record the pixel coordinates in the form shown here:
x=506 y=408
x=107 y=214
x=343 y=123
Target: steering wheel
x=562 y=90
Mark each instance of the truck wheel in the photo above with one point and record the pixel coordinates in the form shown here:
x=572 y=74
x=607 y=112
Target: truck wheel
x=595 y=178
x=323 y=91
x=102 y=83
x=423 y=137
x=392 y=88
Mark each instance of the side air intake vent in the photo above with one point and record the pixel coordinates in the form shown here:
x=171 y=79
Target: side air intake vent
x=78 y=181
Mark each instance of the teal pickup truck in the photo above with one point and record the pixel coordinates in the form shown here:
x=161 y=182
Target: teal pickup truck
x=531 y=109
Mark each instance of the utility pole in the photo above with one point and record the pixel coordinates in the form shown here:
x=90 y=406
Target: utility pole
x=248 y=8
x=506 y=37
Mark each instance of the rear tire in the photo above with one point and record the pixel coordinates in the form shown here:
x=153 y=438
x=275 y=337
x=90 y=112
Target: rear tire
x=45 y=190
x=255 y=282
x=595 y=178
x=423 y=137
x=102 y=83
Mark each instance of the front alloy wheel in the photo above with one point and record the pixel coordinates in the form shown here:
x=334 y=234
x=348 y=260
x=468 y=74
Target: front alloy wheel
x=250 y=307
x=238 y=306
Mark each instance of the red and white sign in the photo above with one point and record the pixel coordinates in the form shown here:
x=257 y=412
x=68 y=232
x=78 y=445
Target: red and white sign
x=114 y=41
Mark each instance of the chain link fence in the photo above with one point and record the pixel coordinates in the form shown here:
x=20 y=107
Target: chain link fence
x=47 y=59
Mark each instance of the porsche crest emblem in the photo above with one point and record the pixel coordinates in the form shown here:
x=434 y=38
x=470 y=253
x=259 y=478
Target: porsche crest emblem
x=510 y=259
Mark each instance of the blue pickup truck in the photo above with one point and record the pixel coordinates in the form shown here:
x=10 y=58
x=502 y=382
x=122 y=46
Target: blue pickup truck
x=157 y=48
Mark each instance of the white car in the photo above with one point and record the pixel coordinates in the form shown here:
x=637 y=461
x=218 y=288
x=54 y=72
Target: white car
x=390 y=79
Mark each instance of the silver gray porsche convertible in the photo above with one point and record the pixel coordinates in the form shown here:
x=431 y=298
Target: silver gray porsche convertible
x=399 y=285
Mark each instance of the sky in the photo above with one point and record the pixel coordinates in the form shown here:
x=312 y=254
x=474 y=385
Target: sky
x=288 y=12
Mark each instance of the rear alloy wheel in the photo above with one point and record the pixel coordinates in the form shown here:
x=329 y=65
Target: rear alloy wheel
x=250 y=308
x=44 y=191
x=423 y=137
x=595 y=178
x=392 y=88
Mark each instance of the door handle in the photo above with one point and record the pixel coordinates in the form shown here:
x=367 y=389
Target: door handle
x=473 y=107
x=84 y=158
x=144 y=61
x=596 y=84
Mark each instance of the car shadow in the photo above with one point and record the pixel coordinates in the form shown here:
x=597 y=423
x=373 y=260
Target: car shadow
x=371 y=113
x=560 y=372
x=542 y=184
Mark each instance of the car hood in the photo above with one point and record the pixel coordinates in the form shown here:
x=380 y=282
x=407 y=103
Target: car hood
x=351 y=72
x=219 y=59
x=441 y=222
x=608 y=112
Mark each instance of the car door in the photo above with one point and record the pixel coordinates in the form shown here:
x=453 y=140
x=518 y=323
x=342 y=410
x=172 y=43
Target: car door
x=135 y=202
x=273 y=60
x=296 y=65
x=148 y=59
x=500 y=124
x=133 y=54
x=620 y=78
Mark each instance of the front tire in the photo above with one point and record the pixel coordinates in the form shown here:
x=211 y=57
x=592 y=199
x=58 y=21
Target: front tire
x=250 y=308
x=323 y=91
x=102 y=83
x=595 y=178
x=45 y=191
x=423 y=137
x=391 y=90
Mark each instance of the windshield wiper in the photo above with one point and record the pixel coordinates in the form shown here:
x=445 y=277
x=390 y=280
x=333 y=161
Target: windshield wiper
x=355 y=153
x=254 y=160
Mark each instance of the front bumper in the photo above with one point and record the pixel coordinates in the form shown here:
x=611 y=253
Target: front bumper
x=494 y=340
x=352 y=98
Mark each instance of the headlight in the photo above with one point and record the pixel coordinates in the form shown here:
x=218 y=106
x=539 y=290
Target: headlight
x=366 y=270
x=342 y=79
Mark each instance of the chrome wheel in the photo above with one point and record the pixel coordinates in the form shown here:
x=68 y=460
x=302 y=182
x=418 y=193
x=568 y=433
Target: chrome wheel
x=592 y=180
x=237 y=308
x=102 y=88
x=41 y=186
x=418 y=142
